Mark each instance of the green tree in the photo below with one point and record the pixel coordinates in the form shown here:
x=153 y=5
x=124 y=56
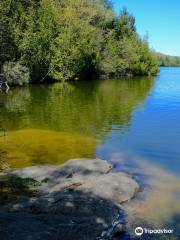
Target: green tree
x=66 y=40
x=74 y=51
x=125 y=25
x=168 y=61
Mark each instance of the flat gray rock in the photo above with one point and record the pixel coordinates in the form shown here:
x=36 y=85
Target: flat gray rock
x=79 y=201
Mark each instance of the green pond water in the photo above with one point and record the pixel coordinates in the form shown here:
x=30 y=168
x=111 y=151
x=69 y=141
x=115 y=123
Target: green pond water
x=133 y=123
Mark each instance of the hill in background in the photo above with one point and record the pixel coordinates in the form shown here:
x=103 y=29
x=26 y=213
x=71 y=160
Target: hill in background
x=168 y=61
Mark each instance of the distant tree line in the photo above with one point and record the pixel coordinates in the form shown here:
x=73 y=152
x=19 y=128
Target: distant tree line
x=168 y=61
x=64 y=40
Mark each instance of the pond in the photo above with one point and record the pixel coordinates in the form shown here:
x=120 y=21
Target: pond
x=133 y=123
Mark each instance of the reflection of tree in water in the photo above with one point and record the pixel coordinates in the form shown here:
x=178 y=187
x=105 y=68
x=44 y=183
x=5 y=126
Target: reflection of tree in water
x=14 y=107
x=90 y=108
x=15 y=100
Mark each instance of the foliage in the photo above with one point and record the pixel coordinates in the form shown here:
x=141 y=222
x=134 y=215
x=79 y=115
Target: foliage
x=15 y=73
x=168 y=61
x=74 y=49
x=65 y=40
x=125 y=25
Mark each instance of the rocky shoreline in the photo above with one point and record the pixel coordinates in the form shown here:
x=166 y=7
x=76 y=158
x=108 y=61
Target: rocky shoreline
x=80 y=200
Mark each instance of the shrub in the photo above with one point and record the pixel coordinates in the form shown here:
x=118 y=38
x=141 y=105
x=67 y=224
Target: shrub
x=15 y=74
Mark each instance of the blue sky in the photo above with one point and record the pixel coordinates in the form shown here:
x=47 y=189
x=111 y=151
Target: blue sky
x=160 y=18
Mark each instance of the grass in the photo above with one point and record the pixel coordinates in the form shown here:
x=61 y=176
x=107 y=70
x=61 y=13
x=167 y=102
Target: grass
x=13 y=187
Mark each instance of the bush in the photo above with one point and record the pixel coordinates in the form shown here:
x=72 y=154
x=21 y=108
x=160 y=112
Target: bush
x=15 y=74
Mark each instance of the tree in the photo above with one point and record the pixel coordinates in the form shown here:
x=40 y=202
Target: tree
x=168 y=61
x=125 y=25
x=74 y=51
x=65 y=40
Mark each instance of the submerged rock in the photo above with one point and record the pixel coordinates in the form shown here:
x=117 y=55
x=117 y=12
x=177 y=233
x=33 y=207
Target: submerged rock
x=29 y=147
x=80 y=200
